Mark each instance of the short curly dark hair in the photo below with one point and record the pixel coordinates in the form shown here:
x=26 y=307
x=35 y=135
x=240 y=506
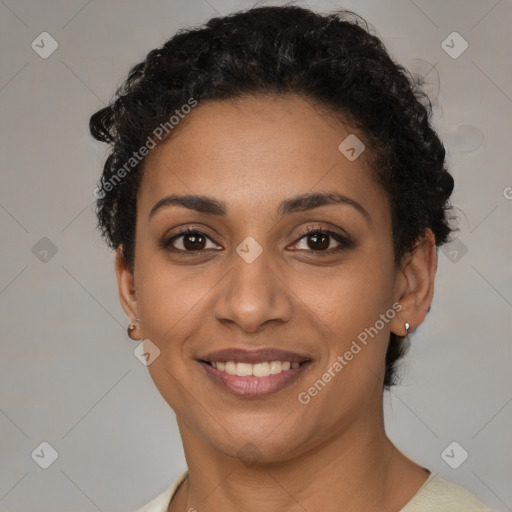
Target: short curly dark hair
x=330 y=59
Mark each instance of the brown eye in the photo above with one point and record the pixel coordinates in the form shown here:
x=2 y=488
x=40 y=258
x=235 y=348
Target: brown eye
x=194 y=241
x=319 y=240
x=188 y=240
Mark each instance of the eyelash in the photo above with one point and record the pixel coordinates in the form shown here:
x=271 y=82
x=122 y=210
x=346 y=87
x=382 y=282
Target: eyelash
x=344 y=242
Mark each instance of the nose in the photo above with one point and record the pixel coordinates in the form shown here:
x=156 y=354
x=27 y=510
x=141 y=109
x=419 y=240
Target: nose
x=253 y=295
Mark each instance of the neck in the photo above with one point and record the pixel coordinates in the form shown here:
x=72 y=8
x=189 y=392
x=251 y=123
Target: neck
x=358 y=467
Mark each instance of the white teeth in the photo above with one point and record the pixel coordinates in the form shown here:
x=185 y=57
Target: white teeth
x=263 y=369
x=244 y=369
x=230 y=367
x=275 y=367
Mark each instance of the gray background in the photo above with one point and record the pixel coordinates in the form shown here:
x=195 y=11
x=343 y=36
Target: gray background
x=67 y=372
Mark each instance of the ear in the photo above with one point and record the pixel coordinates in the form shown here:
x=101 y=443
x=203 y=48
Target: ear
x=126 y=286
x=414 y=285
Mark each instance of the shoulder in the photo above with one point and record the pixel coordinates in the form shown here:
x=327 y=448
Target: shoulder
x=161 y=502
x=440 y=495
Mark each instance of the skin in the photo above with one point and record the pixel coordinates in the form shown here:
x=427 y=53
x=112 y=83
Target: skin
x=252 y=153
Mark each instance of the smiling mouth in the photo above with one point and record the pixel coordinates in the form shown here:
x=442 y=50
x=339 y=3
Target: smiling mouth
x=253 y=380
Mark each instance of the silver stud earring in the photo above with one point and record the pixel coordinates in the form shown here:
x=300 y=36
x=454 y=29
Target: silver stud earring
x=407 y=327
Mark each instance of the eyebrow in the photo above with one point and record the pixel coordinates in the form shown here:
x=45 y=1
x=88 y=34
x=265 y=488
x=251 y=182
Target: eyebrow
x=300 y=203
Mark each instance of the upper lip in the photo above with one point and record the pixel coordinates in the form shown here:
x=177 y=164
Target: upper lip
x=240 y=355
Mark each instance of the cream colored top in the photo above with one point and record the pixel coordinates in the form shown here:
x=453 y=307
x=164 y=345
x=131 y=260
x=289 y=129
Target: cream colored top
x=435 y=495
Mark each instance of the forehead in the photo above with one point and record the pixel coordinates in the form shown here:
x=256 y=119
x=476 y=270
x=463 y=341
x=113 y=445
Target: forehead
x=256 y=151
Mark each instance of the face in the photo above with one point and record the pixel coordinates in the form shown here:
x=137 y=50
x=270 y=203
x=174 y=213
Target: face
x=248 y=276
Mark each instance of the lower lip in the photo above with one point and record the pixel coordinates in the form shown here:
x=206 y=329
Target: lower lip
x=251 y=386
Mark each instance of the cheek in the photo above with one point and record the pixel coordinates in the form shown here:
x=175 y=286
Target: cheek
x=349 y=303
x=350 y=298
x=171 y=302
x=172 y=309
x=347 y=308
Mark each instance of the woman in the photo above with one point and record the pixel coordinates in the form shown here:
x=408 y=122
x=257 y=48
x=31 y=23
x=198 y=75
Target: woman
x=275 y=195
